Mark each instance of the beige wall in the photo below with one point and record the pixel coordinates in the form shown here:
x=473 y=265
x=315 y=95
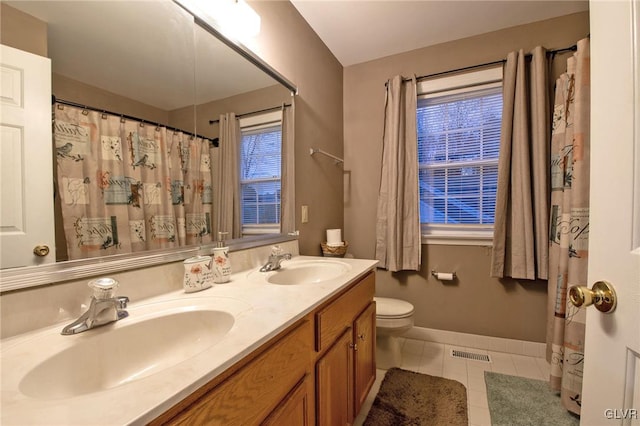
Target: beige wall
x=22 y=31
x=75 y=91
x=255 y=100
x=475 y=303
x=289 y=45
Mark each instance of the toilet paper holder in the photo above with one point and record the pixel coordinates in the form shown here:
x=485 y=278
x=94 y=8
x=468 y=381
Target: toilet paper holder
x=444 y=276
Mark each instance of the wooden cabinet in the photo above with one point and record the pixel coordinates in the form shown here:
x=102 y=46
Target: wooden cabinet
x=345 y=339
x=333 y=318
x=318 y=371
x=296 y=408
x=334 y=371
x=364 y=337
x=274 y=382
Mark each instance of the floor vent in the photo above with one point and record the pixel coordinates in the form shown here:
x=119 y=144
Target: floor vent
x=470 y=355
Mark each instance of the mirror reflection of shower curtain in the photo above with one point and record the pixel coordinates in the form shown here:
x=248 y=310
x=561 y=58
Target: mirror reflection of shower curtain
x=569 y=233
x=127 y=186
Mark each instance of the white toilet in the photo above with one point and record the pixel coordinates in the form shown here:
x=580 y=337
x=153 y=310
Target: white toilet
x=393 y=318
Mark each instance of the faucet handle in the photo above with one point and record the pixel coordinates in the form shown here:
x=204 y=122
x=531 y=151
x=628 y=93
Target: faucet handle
x=122 y=302
x=103 y=288
x=276 y=250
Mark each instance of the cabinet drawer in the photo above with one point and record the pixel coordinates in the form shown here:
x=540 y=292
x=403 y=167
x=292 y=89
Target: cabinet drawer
x=333 y=319
x=249 y=395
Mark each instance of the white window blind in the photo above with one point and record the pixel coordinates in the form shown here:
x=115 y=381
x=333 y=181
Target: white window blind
x=458 y=147
x=260 y=173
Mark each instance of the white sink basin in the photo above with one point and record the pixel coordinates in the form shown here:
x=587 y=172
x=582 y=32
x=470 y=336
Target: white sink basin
x=153 y=338
x=305 y=272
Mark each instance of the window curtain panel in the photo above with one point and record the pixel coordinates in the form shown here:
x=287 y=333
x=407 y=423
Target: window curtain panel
x=398 y=235
x=118 y=188
x=520 y=240
x=569 y=233
x=227 y=195
x=287 y=176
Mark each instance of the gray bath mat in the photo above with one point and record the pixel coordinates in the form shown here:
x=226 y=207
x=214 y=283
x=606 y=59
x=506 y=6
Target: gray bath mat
x=517 y=401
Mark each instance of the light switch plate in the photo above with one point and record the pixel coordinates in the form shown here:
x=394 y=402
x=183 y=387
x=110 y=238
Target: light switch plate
x=305 y=214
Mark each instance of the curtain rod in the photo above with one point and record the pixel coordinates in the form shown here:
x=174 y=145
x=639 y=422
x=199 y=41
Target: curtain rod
x=255 y=112
x=551 y=53
x=54 y=100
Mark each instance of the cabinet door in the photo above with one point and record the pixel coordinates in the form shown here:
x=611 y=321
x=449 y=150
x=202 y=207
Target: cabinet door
x=255 y=390
x=364 y=336
x=297 y=407
x=334 y=378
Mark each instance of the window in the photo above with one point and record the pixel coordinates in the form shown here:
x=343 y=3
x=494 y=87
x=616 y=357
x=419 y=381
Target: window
x=260 y=173
x=458 y=124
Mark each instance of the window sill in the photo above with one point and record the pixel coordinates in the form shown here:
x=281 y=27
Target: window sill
x=457 y=235
x=251 y=230
x=458 y=239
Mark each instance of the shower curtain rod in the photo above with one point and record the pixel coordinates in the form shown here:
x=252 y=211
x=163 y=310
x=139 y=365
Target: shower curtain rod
x=551 y=53
x=275 y=108
x=213 y=141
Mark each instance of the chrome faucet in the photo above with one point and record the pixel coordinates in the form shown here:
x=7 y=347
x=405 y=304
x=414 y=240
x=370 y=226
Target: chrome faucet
x=103 y=309
x=275 y=259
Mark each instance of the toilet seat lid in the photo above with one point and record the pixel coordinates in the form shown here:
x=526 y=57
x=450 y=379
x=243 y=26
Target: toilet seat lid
x=392 y=308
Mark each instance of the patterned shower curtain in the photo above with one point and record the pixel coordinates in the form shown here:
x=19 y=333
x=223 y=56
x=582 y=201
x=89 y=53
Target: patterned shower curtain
x=569 y=227
x=127 y=186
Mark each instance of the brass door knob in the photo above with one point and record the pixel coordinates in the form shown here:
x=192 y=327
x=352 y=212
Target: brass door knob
x=41 y=250
x=601 y=295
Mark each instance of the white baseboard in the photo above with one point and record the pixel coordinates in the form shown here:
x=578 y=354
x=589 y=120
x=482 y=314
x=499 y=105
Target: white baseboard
x=496 y=344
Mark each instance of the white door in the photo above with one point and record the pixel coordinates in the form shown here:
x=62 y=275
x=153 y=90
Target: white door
x=26 y=163
x=611 y=383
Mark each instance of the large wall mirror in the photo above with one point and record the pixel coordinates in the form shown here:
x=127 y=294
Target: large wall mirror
x=156 y=63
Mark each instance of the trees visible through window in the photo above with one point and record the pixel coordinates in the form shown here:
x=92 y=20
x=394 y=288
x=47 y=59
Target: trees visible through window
x=458 y=147
x=260 y=173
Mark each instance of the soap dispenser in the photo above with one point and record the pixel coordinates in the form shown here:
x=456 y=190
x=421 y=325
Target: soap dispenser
x=221 y=263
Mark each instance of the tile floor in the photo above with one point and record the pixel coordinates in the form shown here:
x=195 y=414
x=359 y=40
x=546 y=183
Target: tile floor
x=434 y=359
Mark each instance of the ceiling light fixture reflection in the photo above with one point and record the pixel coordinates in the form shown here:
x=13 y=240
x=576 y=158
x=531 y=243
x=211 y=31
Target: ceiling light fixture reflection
x=234 y=18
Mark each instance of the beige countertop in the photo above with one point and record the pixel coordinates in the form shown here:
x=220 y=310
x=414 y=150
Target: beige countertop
x=261 y=311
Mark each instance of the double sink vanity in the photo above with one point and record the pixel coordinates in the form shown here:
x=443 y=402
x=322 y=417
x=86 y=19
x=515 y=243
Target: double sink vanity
x=291 y=346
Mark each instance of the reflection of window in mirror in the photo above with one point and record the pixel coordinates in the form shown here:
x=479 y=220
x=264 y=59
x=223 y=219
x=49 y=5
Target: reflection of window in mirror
x=260 y=173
